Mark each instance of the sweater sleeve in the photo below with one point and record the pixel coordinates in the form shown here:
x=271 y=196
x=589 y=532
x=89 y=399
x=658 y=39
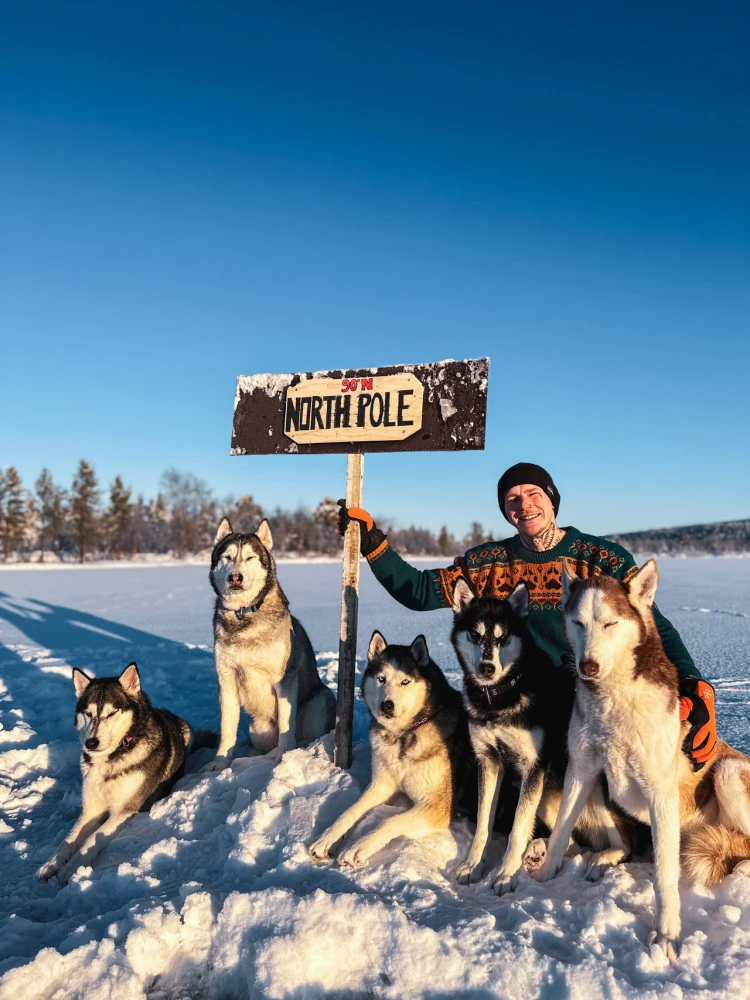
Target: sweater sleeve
x=418 y=590
x=674 y=647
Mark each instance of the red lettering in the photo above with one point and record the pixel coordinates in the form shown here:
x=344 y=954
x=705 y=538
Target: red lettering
x=367 y=383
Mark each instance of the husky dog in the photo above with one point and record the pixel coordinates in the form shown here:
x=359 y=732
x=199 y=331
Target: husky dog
x=420 y=746
x=626 y=724
x=519 y=709
x=132 y=755
x=264 y=659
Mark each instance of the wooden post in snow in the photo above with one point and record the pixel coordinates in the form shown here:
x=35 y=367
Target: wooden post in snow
x=342 y=753
x=429 y=407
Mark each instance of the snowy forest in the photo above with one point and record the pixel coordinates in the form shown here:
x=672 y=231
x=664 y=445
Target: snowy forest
x=86 y=521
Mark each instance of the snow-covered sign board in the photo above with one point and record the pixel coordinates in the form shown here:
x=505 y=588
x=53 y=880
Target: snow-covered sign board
x=431 y=407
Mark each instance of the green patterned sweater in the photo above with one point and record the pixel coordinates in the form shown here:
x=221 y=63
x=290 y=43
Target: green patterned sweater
x=494 y=568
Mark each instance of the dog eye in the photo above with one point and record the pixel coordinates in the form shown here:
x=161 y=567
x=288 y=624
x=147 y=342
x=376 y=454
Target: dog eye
x=610 y=624
x=112 y=713
x=89 y=715
x=576 y=622
x=474 y=635
x=405 y=682
x=381 y=678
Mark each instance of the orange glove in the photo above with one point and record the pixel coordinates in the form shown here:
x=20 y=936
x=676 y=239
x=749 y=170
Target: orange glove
x=371 y=537
x=697 y=706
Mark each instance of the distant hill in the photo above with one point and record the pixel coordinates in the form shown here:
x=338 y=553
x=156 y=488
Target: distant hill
x=725 y=538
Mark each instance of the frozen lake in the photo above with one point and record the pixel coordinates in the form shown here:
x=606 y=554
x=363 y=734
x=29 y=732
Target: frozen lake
x=213 y=894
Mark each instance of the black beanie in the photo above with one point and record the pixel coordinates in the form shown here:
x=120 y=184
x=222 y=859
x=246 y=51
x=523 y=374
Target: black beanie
x=526 y=472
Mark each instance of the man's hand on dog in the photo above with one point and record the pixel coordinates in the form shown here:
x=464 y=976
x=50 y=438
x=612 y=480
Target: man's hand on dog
x=697 y=706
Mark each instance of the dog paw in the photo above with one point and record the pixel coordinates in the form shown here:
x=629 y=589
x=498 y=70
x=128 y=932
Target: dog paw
x=64 y=875
x=320 y=849
x=219 y=763
x=669 y=944
x=534 y=856
x=505 y=882
x=46 y=872
x=354 y=856
x=466 y=872
x=550 y=867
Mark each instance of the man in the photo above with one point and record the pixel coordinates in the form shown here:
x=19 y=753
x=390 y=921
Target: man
x=529 y=500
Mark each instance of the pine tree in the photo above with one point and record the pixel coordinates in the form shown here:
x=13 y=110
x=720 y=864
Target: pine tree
x=13 y=511
x=84 y=499
x=31 y=533
x=51 y=510
x=446 y=542
x=119 y=515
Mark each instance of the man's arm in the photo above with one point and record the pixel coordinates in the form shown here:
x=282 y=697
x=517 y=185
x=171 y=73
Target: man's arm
x=674 y=647
x=418 y=590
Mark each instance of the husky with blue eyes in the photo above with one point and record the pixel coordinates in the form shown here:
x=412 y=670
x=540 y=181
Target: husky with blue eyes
x=420 y=747
x=519 y=710
x=132 y=755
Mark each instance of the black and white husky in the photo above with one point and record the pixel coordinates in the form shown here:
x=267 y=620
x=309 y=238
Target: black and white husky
x=420 y=747
x=132 y=755
x=264 y=660
x=519 y=709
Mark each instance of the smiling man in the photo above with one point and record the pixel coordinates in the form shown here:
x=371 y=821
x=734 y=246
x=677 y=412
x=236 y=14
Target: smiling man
x=529 y=500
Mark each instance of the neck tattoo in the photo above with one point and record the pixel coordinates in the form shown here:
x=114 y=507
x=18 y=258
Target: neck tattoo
x=544 y=541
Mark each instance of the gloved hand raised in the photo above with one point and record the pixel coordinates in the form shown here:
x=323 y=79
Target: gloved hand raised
x=697 y=705
x=370 y=536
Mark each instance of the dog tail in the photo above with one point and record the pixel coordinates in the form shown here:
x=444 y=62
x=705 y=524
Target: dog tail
x=204 y=739
x=711 y=853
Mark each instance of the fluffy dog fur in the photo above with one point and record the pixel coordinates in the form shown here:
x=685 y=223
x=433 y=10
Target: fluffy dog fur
x=132 y=755
x=264 y=660
x=519 y=709
x=420 y=747
x=626 y=724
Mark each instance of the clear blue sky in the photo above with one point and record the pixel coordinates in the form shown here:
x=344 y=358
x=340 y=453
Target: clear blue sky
x=196 y=191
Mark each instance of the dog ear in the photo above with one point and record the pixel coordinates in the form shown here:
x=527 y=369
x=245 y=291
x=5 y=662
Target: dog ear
x=419 y=651
x=642 y=588
x=224 y=529
x=569 y=577
x=81 y=681
x=130 y=679
x=462 y=596
x=263 y=534
x=518 y=599
x=377 y=645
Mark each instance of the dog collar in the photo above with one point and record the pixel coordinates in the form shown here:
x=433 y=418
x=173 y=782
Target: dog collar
x=241 y=613
x=419 y=722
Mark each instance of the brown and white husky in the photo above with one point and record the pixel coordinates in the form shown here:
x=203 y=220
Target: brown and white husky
x=626 y=724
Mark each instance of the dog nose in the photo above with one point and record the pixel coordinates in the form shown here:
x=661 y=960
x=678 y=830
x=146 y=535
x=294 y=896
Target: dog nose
x=486 y=669
x=235 y=577
x=387 y=707
x=590 y=668
x=92 y=743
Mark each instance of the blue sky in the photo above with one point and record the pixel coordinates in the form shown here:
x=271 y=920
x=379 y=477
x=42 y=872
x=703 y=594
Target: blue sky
x=192 y=191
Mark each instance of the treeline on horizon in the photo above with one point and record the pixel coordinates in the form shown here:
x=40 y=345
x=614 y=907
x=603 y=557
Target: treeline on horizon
x=86 y=521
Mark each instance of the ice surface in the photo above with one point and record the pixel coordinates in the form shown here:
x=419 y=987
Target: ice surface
x=212 y=894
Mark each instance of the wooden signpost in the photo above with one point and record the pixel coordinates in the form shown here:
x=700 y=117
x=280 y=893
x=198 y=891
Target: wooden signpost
x=431 y=407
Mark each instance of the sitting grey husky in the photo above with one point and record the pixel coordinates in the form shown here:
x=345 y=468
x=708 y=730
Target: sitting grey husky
x=420 y=746
x=132 y=755
x=264 y=660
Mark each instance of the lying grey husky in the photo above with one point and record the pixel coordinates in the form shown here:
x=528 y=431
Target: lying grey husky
x=132 y=755
x=264 y=660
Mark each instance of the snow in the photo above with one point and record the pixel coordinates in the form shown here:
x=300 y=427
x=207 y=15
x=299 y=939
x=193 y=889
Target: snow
x=213 y=895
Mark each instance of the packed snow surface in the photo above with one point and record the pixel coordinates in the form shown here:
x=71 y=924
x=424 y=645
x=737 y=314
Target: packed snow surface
x=213 y=894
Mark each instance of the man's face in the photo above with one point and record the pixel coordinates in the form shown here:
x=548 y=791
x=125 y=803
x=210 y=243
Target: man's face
x=529 y=509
